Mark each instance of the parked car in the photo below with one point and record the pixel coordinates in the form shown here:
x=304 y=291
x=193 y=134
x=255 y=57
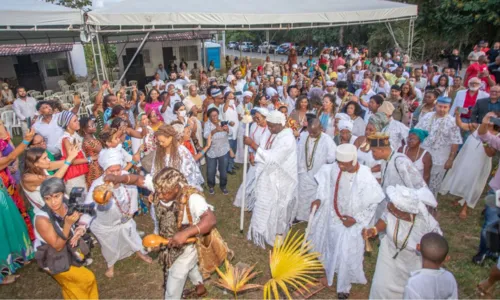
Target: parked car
x=232 y=45
x=271 y=46
x=247 y=47
x=284 y=48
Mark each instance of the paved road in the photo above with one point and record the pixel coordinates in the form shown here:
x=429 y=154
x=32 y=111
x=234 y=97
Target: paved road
x=274 y=57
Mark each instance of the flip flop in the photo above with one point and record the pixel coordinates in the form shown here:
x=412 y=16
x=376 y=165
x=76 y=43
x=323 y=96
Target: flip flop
x=10 y=279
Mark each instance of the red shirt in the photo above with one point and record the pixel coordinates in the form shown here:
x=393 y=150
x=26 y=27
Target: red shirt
x=473 y=70
x=469 y=102
x=338 y=62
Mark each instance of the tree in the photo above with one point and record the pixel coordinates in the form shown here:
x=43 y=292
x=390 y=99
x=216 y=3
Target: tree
x=72 y=3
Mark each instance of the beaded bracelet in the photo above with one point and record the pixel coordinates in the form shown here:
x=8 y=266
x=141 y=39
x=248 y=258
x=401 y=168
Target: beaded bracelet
x=67 y=163
x=202 y=152
x=26 y=142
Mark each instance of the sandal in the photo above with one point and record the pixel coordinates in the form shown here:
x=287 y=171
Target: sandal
x=191 y=293
x=9 y=279
x=484 y=292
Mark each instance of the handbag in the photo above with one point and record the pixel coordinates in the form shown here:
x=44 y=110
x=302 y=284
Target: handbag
x=211 y=248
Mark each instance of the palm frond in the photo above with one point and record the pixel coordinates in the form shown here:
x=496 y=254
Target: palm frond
x=236 y=279
x=292 y=264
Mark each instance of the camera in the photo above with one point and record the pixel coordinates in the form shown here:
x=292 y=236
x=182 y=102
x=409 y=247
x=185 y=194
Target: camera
x=76 y=197
x=224 y=123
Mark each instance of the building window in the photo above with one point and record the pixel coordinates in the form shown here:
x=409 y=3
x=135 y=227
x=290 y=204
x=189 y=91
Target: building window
x=146 y=56
x=189 y=53
x=56 y=67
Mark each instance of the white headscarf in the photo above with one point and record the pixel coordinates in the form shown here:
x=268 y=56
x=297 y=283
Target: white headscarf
x=271 y=92
x=411 y=201
x=345 y=124
x=230 y=78
x=111 y=157
x=342 y=116
x=247 y=94
x=276 y=117
x=347 y=153
x=263 y=111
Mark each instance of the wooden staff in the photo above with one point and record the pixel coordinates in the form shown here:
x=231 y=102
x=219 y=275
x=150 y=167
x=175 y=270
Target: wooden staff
x=309 y=222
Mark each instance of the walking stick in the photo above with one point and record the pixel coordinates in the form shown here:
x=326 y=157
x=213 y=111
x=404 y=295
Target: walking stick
x=247 y=119
x=309 y=222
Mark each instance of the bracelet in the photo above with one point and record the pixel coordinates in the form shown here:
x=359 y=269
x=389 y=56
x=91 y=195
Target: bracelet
x=89 y=159
x=26 y=142
x=199 y=231
x=202 y=152
x=67 y=163
x=133 y=163
x=128 y=179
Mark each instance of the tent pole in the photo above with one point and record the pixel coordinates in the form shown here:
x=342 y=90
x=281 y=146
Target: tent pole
x=224 y=43
x=96 y=68
x=103 y=66
x=139 y=49
x=412 y=36
x=389 y=27
x=267 y=40
x=409 y=38
x=203 y=59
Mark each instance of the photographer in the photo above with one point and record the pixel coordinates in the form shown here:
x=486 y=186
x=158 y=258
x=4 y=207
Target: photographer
x=218 y=154
x=59 y=244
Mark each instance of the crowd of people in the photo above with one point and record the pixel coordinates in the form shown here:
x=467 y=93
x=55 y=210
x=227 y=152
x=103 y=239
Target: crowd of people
x=359 y=146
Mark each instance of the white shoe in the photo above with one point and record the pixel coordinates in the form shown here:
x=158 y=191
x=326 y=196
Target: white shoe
x=141 y=233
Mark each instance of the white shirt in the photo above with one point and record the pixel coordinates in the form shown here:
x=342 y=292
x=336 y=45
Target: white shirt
x=421 y=84
x=386 y=88
x=168 y=115
x=181 y=82
x=157 y=84
x=51 y=132
x=366 y=97
x=25 y=108
x=431 y=284
x=231 y=115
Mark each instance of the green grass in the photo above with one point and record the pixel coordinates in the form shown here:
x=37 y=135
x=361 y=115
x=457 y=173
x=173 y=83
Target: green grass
x=136 y=279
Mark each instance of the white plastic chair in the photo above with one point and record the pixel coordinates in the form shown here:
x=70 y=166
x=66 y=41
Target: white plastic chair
x=88 y=109
x=29 y=92
x=48 y=93
x=65 y=88
x=11 y=121
x=62 y=83
x=132 y=82
x=34 y=94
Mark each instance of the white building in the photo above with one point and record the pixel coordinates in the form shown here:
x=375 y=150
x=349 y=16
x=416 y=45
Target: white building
x=40 y=66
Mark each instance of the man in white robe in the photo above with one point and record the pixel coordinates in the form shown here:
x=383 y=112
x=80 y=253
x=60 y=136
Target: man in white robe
x=397 y=131
x=343 y=211
x=442 y=142
x=113 y=225
x=315 y=149
x=275 y=182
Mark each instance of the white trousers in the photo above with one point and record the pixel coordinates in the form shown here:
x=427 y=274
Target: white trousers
x=185 y=265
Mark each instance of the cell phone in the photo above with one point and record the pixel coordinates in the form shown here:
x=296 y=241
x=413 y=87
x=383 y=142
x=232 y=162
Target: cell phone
x=495 y=121
x=28 y=122
x=224 y=123
x=464 y=110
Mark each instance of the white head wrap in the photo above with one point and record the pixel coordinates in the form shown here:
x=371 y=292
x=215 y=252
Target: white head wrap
x=345 y=124
x=271 y=92
x=111 y=157
x=340 y=68
x=247 y=94
x=279 y=80
x=230 y=78
x=169 y=84
x=411 y=201
x=347 y=153
x=295 y=66
x=276 y=117
x=342 y=116
x=263 y=111
x=330 y=83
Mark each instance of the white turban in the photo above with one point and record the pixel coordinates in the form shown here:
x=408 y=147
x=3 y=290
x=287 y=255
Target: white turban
x=295 y=66
x=111 y=157
x=347 y=153
x=330 y=83
x=247 y=94
x=279 y=80
x=343 y=116
x=276 y=117
x=271 y=92
x=411 y=201
x=230 y=78
x=345 y=124
x=263 y=111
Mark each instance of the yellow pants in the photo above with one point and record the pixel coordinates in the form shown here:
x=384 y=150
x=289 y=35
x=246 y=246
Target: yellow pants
x=78 y=283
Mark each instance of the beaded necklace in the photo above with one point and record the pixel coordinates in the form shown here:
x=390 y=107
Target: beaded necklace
x=270 y=142
x=395 y=236
x=125 y=215
x=310 y=162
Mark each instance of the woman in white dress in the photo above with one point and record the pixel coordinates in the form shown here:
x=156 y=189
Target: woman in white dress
x=469 y=174
x=327 y=116
x=354 y=111
x=365 y=155
x=113 y=225
x=404 y=222
x=422 y=160
x=259 y=133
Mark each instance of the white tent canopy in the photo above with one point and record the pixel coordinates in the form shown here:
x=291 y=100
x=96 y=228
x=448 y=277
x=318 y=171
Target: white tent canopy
x=35 y=22
x=244 y=15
